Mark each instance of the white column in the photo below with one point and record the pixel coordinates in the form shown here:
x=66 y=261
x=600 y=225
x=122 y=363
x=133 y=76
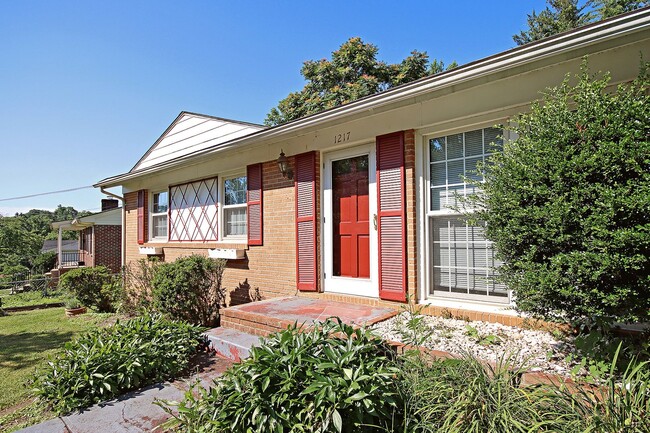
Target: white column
x=58 y=246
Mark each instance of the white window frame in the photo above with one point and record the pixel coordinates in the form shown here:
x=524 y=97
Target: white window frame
x=223 y=207
x=427 y=294
x=153 y=238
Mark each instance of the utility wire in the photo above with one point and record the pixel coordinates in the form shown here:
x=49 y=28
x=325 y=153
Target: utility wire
x=46 y=193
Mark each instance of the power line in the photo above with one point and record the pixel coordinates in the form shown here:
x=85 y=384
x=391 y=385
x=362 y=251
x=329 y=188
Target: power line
x=46 y=193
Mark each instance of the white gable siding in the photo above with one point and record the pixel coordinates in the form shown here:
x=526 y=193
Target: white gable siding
x=191 y=133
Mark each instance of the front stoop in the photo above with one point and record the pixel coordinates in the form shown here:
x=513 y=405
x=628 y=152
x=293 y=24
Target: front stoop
x=231 y=343
x=242 y=325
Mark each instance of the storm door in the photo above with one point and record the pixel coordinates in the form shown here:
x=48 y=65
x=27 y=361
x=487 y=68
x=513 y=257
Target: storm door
x=350 y=242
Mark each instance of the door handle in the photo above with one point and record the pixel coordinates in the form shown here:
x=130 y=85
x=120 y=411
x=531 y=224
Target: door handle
x=374 y=221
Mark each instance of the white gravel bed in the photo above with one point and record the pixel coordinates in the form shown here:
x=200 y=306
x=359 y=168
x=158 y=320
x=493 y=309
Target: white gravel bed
x=536 y=350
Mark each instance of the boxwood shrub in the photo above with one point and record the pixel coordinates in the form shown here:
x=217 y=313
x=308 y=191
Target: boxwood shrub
x=96 y=287
x=105 y=363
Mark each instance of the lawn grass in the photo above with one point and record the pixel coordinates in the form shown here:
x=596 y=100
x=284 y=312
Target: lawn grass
x=29 y=298
x=27 y=339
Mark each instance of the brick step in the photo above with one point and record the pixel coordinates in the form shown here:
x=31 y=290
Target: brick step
x=231 y=343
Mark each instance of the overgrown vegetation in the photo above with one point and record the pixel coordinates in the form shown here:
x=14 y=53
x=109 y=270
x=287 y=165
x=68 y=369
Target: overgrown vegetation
x=96 y=287
x=190 y=289
x=330 y=379
x=138 y=276
x=567 y=203
x=105 y=363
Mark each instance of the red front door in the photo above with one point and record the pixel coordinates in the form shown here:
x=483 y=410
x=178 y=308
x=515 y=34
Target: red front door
x=351 y=217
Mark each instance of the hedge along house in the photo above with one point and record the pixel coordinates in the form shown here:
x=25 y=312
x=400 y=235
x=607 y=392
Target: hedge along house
x=356 y=203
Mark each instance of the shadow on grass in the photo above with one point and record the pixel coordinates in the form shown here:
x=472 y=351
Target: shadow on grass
x=24 y=349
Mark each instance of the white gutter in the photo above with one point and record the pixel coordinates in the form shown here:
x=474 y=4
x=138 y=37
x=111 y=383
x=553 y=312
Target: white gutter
x=123 y=229
x=556 y=45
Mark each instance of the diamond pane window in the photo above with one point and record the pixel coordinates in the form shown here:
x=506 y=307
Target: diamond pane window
x=193 y=211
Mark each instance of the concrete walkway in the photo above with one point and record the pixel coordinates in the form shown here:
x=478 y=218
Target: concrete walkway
x=133 y=412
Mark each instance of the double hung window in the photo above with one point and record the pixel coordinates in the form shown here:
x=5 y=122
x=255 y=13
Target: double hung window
x=234 y=207
x=159 y=207
x=462 y=259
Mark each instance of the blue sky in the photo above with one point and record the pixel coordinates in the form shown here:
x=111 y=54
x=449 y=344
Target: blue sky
x=86 y=87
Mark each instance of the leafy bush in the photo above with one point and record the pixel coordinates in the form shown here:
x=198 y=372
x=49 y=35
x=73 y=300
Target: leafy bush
x=44 y=262
x=95 y=287
x=137 y=296
x=105 y=363
x=190 y=289
x=567 y=203
x=302 y=381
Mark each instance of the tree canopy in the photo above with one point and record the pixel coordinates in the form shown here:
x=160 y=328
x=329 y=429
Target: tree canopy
x=563 y=15
x=22 y=236
x=567 y=203
x=352 y=73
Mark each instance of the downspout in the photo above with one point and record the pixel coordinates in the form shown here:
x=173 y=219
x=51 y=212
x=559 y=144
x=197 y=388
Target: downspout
x=123 y=231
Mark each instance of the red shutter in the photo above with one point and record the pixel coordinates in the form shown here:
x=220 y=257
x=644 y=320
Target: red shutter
x=391 y=212
x=254 y=202
x=142 y=215
x=305 y=186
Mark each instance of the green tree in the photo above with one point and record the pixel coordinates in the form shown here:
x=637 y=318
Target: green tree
x=567 y=203
x=563 y=15
x=559 y=16
x=352 y=73
x=611 y=8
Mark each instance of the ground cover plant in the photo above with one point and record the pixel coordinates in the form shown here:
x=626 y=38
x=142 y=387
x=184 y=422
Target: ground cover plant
x=105 y=363
x=329 y=379
x=27 y=339
x=567 y=203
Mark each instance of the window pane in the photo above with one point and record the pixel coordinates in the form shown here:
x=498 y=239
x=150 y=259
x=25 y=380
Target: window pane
x=159 y=226
x=455 y=169
x=235 y=191
x=235 y=221
x=160 y=201
x=474 y=143
x=455 y=146
x=461 y=260
x=437 y=149
x=438 y=174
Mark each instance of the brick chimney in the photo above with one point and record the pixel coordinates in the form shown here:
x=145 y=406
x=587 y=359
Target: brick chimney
x=109 y=203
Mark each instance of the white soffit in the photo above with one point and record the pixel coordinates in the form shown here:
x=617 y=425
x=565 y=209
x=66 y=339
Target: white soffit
x=191 y=133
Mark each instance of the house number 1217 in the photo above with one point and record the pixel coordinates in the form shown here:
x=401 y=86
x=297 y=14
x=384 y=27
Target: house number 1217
x=342 y=138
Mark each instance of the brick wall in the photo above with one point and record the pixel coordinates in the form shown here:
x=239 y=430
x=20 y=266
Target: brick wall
x=411 y=220
x=108 y=251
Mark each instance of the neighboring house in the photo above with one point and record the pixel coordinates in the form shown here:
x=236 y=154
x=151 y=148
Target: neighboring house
x=99 y=242
x=363 y=210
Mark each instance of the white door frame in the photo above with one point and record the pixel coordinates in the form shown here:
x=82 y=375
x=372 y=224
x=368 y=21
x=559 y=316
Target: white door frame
x=352 y=286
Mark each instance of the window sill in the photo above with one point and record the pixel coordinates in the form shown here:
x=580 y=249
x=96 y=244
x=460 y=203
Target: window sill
x=239 y=245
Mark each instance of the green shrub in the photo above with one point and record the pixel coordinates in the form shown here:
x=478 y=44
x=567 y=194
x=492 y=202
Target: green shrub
x=95 y=287
x=105 y=363
x=137 y=296
x=567 y=203
x=302 y=381
x=190 y=289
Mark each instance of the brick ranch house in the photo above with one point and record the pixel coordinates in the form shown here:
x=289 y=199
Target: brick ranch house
x=99 y=241
x=362 y=209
